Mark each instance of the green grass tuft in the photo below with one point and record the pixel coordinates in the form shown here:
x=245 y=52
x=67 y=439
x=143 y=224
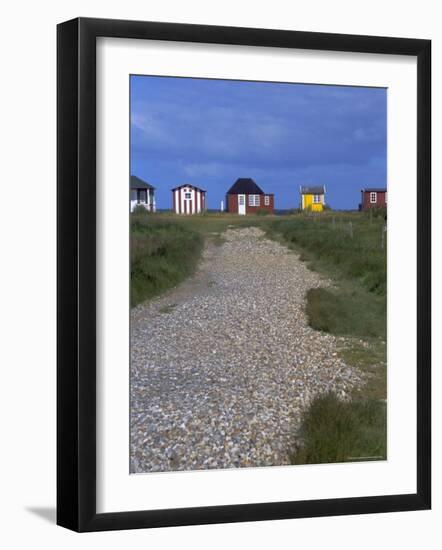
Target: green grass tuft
x=346 y=311
x=336 y=431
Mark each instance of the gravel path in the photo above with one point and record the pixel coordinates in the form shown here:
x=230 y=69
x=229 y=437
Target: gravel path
x=222 y=366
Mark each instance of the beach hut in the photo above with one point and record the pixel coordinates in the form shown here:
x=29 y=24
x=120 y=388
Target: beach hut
x=141 y=194
x=246 y=197
x=373 y=197
x=188 y=199
x=312 y=198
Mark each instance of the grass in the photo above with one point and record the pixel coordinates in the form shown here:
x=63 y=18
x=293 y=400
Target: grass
x=370 y=357
x=167 y=309
x=162 y=255
x=347 y=311
x=339 y=431
x=212 y=223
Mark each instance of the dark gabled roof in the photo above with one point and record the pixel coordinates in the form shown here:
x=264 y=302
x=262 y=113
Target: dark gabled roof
x=374 y=190
x=189 y=185
x=245 y=186
x=137 y=183
x=313 y=190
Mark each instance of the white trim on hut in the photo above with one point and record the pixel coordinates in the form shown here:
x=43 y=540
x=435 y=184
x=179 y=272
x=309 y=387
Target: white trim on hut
x=188 y=199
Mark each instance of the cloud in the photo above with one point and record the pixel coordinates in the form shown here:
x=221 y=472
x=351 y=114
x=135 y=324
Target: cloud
x=150 y=129
x=203 y=169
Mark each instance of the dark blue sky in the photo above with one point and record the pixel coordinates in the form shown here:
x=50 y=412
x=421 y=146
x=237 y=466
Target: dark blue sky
x=211 y=132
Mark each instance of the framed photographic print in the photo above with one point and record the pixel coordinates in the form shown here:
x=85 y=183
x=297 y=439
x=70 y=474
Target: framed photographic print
x=243 y=274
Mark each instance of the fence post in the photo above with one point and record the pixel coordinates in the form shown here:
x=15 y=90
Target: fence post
x=333 y=223
x=351 y=229
x=384 y=230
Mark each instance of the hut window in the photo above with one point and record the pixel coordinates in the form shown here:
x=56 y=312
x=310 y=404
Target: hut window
x=317 y=199
x=187 y=195
x=373 y=197
x=266 y=200
x=254 y=200
x=142 y=195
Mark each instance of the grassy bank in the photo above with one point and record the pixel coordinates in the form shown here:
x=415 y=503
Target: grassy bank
x=347 y=310
x=351 y=250
x=162 y=255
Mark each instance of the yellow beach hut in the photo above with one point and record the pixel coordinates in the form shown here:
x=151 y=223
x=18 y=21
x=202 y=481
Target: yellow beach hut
x=312 y=198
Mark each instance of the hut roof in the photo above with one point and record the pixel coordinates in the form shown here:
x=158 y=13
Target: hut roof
x=137 y=183
x=245 y=186
x=313 y=190
x=189 y=185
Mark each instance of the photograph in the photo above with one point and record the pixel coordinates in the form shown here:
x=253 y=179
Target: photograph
x=224 y=269
x=258 y=274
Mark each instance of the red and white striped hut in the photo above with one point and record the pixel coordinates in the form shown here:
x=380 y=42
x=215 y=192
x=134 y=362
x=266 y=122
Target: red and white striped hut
x=188 y=199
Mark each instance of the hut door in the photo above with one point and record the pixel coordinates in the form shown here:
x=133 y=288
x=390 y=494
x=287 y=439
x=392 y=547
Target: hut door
x=241 y=204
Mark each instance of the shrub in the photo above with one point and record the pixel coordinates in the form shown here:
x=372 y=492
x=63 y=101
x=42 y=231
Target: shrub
x=140 y=211
x=294 y=211
x=262 y=212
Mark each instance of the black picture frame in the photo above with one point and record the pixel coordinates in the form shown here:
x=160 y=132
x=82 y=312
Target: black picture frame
x=76 y=274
